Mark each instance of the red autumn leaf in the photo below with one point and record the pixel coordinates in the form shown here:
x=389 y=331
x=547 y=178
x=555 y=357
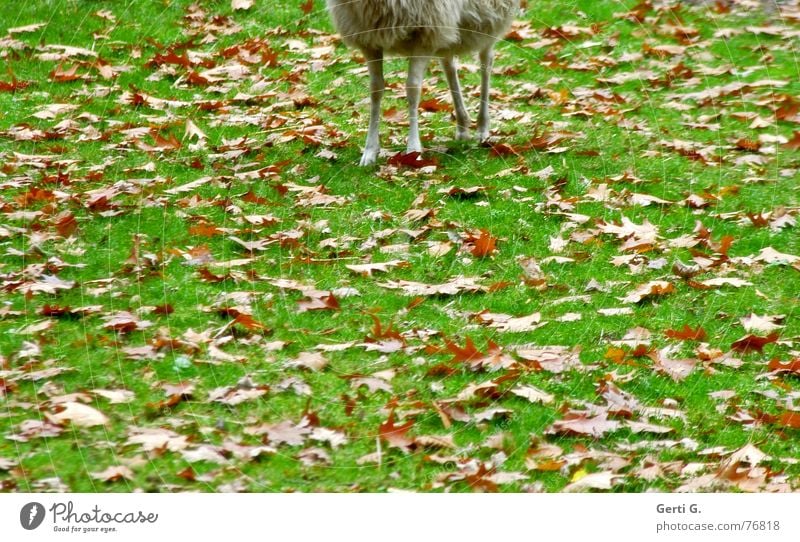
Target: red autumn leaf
x=748 y=145
x=307 y=6
x=412 y=160
x=433 y=105
x=328 y=302
x=754 y=342
x=794 y=143
x=14 y=85
x=686 y=334
x=65 y=224
x=170 y=143
x=208 y=276
x=55 y=310
x=252 y=197
x=484 y=245
x=166 y=308
x=759 y=220
x=60 y=75
x=247 y=321
x=538 y=143
x=776 y=366
x=170 y=58
x=395 y=435
x=467 y=353
x=195 y=78
x=204 y=229
x=379 y=333
x=790 y=419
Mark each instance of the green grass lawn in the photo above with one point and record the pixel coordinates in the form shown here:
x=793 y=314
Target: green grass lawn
x=175 y=234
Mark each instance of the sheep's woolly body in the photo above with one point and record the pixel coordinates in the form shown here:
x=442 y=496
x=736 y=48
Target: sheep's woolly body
x=422 y=27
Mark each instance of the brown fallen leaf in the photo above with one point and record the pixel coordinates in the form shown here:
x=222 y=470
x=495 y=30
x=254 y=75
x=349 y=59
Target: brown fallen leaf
x=532 y=394
x=756 y=343
x=396 y=435
x=368 y=268
x=78 y=414
x=650 y=289
x=686 y=334
x=313 y=361
x=114 y=474
x=763 y=324
x=580 y=423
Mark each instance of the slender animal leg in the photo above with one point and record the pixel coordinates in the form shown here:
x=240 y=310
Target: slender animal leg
x=487 y=59
x=462 y=117
x=376 y=87
x=416 y=72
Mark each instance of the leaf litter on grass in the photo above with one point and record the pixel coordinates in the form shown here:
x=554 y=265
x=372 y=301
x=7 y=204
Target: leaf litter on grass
x=200 y=289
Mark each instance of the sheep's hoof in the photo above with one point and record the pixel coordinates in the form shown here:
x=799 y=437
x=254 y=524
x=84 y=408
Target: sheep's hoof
x=463 y=134
x=483 y=136
x=369 y=157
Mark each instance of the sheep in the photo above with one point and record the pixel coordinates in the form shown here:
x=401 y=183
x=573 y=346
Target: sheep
x=421 y=30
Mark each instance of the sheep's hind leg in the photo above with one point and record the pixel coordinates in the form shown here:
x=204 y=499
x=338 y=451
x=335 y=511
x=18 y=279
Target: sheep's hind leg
x=487 y=59
x=462 y=116
x=376 y=88
x=416 y=73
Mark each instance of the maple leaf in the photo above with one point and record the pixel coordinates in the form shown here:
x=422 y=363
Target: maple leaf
x=369 y=268
x=580 y=423
x=677 y=369
x=764 y=324
x=794 y=143
x=753 y=342
x=313 y=361
x=78 y=414
x=792 y=367
x=686 y=334
x=468 y=353
x=125 y=322
x=433 y=105
x=532 y=394
x=650 y=289
x=116 y=396
x=61 y=75
x=484 y=245
x=14 y=85
x=412 y=160
x=790 y=419
x=319 y=303
x=307 y=6
x=396 y=435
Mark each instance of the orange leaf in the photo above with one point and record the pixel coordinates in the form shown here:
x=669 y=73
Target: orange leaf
x=468 y=353
x=754 y=342
x=484 y=245
x=686 y=334
x=790 y=419
x=395 y=435
x=412 y=160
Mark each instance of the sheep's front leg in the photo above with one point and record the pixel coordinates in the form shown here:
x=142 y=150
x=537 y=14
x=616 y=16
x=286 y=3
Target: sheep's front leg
x=376 y=87
x=462 y=117
x=416 y=72
x=487 y=59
